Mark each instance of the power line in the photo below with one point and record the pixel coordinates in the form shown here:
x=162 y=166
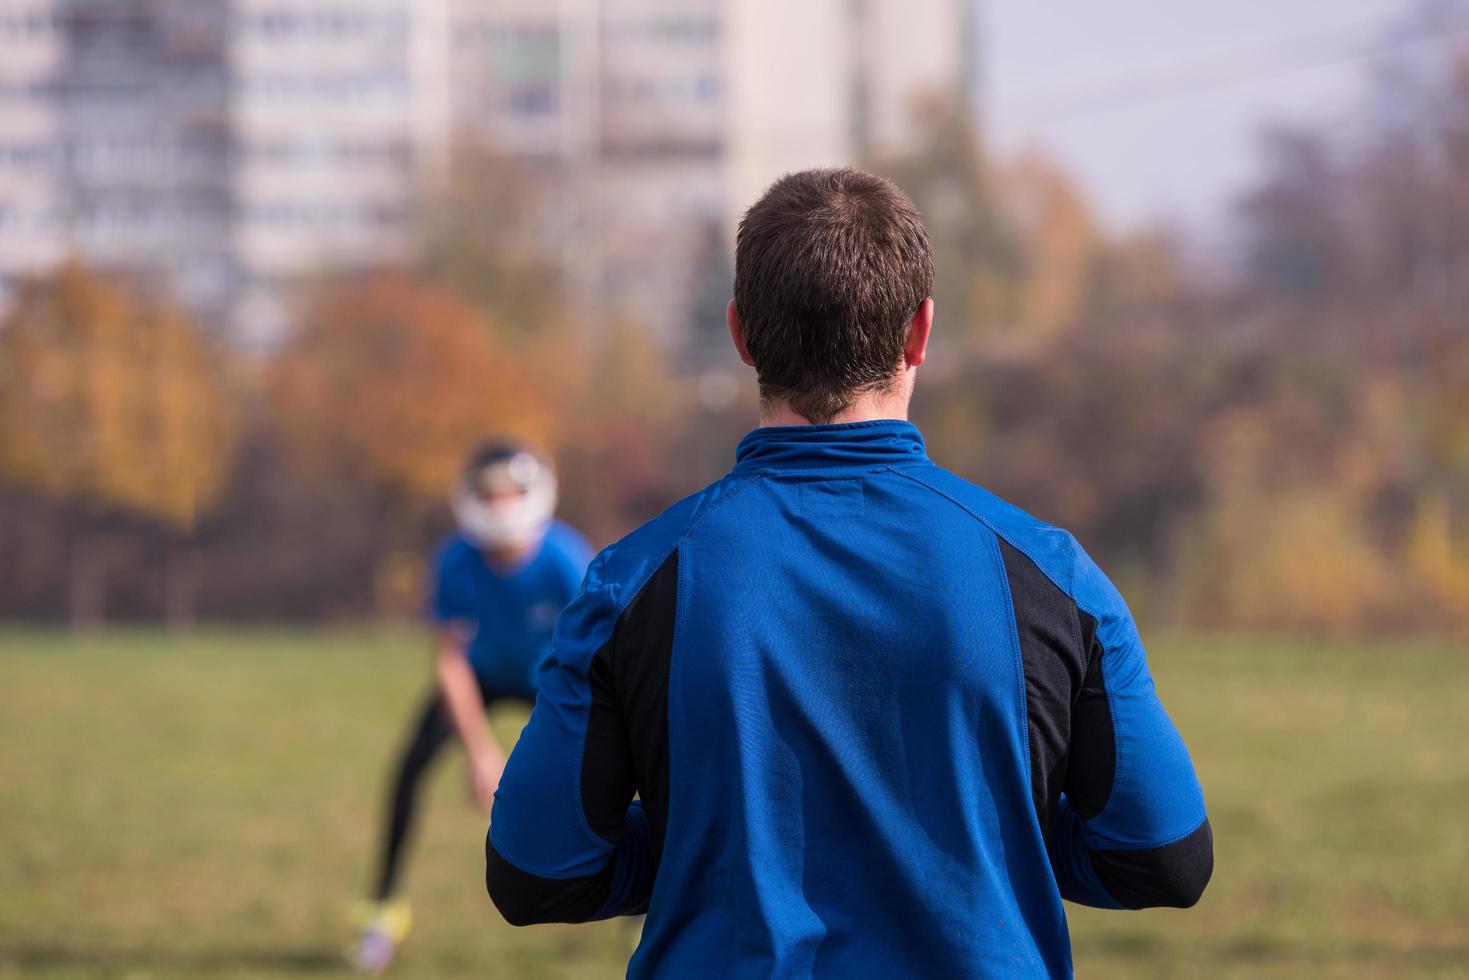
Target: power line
x=1225 y=70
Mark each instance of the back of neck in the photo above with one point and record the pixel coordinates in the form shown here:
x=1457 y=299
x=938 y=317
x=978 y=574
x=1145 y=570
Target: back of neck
x=869 y=407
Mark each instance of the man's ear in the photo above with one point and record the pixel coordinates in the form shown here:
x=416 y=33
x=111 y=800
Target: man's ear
x=736 y=333
x=915 y=348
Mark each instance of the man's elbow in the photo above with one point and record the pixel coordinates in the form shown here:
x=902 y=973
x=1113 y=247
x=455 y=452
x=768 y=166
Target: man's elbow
x=525 y=899
x=507 y=890
x=1172 y=876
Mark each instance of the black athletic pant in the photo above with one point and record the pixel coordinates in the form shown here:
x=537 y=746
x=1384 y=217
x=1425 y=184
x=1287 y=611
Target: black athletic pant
x=435 y=727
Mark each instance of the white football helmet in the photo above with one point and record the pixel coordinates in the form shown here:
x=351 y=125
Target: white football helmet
x=506 y=497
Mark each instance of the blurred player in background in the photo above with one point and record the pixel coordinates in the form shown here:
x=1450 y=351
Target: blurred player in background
x=499 y=583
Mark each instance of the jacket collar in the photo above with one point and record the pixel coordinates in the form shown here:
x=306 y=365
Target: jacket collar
x=846 y=445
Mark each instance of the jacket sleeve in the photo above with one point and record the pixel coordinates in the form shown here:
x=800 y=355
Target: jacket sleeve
x=566 y=843
x=1130 y=830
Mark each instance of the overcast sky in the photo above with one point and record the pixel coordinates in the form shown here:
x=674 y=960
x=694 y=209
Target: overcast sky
x=1154 y=104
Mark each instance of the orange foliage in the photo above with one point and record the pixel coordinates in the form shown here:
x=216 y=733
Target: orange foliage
x=113 y=400
x=394 y=380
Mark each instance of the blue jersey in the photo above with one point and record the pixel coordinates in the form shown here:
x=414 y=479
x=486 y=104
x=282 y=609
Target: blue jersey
x=880 y=724
x=510 y=613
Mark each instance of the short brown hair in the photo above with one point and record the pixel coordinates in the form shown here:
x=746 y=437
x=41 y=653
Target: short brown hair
x=830 y=267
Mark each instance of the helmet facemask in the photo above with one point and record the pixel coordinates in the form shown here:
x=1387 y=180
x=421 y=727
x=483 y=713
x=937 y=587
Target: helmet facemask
x=505 y=501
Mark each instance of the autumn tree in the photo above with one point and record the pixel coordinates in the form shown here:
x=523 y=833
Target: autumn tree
x=1358 y=268
x=618 y=430
x=1056 y=233
x=977 y=257
x=498 y=235
x=486 y=235
x=112 y=403
x=1294 y=220
x=389 y=382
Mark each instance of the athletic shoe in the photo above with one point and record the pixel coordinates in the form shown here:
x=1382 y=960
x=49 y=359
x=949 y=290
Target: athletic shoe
x=383 y=926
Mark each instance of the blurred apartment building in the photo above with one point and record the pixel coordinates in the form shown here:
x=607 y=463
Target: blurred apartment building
x=666 y=118
x=227 y=149
x=233 y=149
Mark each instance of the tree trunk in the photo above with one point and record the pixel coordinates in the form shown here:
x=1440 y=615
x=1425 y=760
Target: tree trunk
x=87 y=580
x=180 y=587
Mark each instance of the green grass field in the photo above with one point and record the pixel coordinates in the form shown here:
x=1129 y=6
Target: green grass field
x=204 y=806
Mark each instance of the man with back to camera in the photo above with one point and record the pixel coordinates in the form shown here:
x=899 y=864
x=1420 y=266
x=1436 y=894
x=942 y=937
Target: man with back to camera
x=498 y=584
x=880 y=722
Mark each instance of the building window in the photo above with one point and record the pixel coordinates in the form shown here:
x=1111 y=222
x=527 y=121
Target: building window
x=532 y=100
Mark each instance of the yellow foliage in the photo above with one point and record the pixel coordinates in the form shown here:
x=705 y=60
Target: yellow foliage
x=395 y=380
x=1447 y=407
x=112 y=400
x=1296 y=558
x=1060 y=242
x=1439 y=558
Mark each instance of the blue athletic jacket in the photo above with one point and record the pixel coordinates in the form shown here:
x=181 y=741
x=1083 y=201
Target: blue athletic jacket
x=878 y=721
